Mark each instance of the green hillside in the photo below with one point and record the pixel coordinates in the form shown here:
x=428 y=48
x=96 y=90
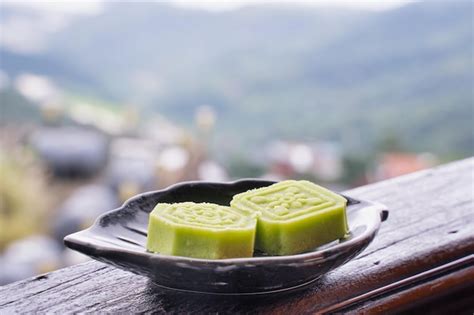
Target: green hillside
x=298 y=73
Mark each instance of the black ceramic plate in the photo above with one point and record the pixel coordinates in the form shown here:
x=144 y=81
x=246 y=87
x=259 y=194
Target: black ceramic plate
x=118 y=237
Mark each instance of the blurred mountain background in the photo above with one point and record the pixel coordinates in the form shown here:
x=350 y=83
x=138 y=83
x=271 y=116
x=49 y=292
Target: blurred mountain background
x=353 y=76
x=102 y=100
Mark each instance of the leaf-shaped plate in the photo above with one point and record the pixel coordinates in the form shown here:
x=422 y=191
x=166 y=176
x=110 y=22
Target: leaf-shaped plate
x=118 y=237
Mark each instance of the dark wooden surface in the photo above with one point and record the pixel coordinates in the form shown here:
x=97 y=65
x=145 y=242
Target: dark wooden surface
x=422 y=259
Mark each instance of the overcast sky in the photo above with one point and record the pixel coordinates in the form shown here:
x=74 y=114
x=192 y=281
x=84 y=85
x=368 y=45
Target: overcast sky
x=95 y=6
x=28 y=34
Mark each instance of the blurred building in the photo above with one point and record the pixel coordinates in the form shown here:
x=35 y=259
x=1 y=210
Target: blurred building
x=395 y=164
x=162 y=131
x=81 y=209
x=132 y=166
x=28 y=257
x=210 y=170
x=323 y=160
x=71 y=151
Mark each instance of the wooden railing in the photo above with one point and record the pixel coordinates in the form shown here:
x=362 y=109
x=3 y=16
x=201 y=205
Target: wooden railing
x=422 y=260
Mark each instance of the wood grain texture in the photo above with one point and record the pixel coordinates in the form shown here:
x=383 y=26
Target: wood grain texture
x=431 y=224
x=435 y=295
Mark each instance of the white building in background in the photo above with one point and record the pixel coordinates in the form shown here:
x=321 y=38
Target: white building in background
x=323 y=160
x=162 y=131
x=37 y=88
x=212 y=171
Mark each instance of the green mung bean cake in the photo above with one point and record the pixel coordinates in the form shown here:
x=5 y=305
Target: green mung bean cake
x=201 y=230
x=294 y=216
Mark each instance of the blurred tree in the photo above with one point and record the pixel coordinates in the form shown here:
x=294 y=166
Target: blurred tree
x=389 y=142
x=355 y=169
x=23 y=200
x=239 y=166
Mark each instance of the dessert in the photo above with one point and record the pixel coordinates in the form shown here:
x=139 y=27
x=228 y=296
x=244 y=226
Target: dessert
x=294 y=216
x=201 y=230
